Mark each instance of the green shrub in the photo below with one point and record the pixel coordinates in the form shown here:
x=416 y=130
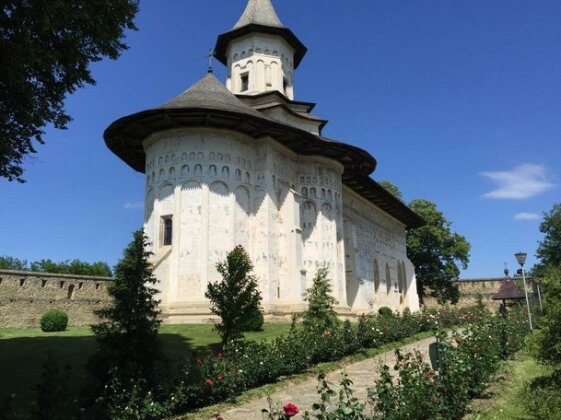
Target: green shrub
x=54 y=320
x=544 y=397
x=236 y=299
x=320 y=315
x=385 y=311
x=254 y=321
x=466 y=360
x=548 y=338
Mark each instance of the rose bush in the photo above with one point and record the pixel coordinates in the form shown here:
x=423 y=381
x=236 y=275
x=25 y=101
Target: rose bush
x=466 y=359
x=242 y=365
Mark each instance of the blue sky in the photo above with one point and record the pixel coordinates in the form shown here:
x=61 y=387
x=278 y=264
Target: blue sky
x=459 y=101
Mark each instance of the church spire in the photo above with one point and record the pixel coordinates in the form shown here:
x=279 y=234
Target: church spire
x=260 y=52
x=260 y=12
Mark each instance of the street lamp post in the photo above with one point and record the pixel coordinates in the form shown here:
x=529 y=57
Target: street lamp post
x=521 y=258
x=539 y=294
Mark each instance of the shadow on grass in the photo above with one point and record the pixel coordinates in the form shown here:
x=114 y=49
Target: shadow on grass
x=22 y=359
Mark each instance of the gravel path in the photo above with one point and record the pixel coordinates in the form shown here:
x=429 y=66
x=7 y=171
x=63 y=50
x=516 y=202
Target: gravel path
x=304 y=394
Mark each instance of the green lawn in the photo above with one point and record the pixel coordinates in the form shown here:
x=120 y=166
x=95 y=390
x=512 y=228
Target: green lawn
x=503 y=400
x=23 y=352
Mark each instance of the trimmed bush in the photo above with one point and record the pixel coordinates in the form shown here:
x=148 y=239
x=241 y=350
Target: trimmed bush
x=385 y=311
x=54 y=320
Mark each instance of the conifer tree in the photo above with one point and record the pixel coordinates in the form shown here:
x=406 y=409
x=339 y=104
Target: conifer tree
x=320 y=315
x=128 y=334
x=236 y=299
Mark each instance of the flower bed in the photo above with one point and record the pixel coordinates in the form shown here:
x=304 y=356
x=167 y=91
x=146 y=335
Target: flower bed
x=244 y=365
x=418 y=390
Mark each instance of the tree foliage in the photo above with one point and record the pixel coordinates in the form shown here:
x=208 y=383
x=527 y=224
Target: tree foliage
x=11 y=263
x=46 y=48
x=549 y=268
x=436 y=251
x=320 y=315
x=236 y=299
x=128 y=333
x=393 y=189
x=97 y=269
x=549 y=250
x=549 y=334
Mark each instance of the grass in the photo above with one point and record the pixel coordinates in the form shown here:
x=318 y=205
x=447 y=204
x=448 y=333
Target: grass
x=503 y=399
x=23 y=351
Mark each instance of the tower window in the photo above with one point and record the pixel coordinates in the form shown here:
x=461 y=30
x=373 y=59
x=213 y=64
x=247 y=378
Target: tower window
x=167 y=230
x=245 y=82
x=285 y=85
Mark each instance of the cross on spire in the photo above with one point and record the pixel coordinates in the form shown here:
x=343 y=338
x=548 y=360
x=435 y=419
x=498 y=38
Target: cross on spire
x=210 y=56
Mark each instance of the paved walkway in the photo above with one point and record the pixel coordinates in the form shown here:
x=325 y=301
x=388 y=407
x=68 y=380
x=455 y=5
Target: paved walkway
x=304 y=394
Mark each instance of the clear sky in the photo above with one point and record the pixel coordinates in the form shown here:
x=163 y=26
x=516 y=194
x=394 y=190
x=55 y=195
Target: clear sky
x=459 y=101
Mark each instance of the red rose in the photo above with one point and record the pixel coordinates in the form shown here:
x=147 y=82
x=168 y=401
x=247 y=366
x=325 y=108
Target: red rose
x=290 y=410
x=219 y=378
x=209 y=382
x=199 y=362
x=220 y=355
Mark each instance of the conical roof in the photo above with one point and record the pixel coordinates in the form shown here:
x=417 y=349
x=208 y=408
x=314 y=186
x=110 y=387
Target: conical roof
x=508 y=290
x=260 y=12
x=209 y=93
x=259 y=16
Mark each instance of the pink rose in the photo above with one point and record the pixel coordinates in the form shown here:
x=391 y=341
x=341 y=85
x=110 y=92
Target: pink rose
x=290 y=410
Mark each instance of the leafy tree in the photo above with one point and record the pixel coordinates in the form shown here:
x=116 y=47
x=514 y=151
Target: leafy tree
x=236 y=299
x=320 y=315
x=393 y=189
x=46 y=48
x=549 y=334
x=11 y=263
x=549 y=250
x=128 y=333
x=97 y=269
x=435 y=250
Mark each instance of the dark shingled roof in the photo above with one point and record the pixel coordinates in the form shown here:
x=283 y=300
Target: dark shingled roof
x=260 y=12
x=209 y=93
x=508 y=290
x=209 y=104
x=259 y=16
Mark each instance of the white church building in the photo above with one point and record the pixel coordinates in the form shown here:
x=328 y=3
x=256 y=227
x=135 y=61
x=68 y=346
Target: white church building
x=245 y=163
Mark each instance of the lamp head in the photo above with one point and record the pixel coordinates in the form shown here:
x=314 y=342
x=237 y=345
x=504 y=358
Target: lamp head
x=521 y=258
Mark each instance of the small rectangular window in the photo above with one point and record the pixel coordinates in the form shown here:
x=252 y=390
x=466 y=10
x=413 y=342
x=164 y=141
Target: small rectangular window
x=245 y=82
x=167 y=230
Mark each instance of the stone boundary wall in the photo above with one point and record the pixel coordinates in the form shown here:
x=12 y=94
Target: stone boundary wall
x=471 y=289
x=25 y=296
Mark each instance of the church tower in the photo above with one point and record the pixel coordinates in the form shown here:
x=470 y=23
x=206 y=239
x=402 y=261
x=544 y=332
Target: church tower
x=260 y=52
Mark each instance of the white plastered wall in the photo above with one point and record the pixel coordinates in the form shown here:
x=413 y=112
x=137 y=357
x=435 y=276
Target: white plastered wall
x=223 y=189
x=266 y=59
x=372 y=236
